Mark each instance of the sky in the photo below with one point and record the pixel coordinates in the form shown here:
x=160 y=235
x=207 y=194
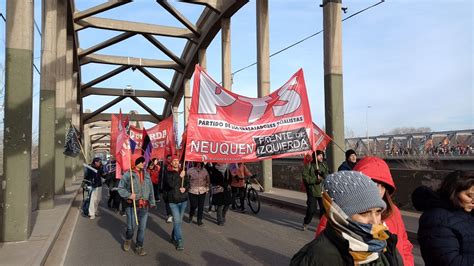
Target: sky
x=410 y=61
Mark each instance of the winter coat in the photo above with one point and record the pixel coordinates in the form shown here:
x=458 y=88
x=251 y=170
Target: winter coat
x=95 y=178
x=198 y=181
x=155 y=174
x=330 y=248
x=445 y=233
x=311 y=181
x=346 y=166
x=223 y=180
x=396 y=226
x=143 y=190
x=172 y=185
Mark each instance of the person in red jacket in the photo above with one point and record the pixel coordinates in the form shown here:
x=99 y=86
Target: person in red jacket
x=377 y=169
x=154 y=171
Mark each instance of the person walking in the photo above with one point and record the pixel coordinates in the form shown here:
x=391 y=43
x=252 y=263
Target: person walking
x=355 y=234
x=198 y=187
x=154 y=171
x=176 y=186
x=313 y=174
x=95 y=178
x=164 y=170
x=350 y=162
x=142 y=194
x=238 y=173
x=446 y=227
x=221 y=193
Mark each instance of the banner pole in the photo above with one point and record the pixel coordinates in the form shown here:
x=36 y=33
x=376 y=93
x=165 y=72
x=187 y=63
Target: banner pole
x=80 y=145
x=133 y=191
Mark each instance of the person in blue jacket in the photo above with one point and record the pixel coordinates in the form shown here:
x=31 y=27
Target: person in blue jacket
x=446 y=227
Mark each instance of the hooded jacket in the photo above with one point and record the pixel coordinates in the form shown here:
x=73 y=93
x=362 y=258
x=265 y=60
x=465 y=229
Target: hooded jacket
x=445 y=233
x=378 y=171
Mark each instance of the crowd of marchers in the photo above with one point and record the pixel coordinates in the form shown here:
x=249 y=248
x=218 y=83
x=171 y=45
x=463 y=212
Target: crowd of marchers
x=359 y=222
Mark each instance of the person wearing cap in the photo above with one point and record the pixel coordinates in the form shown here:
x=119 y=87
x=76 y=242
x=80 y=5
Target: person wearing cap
x=314 y=173
x=95 y=178
x=144 y=198
x=350 y=162
x=378 y=170
x=355 y=234
x=177 y=186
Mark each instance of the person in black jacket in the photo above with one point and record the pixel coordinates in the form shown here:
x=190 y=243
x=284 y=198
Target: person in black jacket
x=176 y=187
x=221 y=191
x=350 y=162
x=355 y=234
x=446 y=227
x=95 y=178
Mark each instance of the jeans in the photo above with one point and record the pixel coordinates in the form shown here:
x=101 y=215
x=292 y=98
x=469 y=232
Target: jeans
x=197 y=201
x=142 y=214
x=177 y=211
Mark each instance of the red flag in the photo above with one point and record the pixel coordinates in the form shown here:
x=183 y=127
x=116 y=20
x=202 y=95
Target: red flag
x=123 y=154
x=224 y=126
x=321 y=139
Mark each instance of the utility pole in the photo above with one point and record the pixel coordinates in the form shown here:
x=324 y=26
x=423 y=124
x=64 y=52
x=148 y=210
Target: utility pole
x=333 y=92
x=263 y=74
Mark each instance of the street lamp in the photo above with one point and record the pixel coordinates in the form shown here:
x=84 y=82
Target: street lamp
x=367 y=121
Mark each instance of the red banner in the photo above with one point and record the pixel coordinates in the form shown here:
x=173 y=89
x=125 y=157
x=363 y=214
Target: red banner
x=321 y=139
x=224 y=126
x=161 y=137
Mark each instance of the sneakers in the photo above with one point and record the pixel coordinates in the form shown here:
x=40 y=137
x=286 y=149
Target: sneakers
x=92 y=217
x=140 y=251
x=179 y=245
x=304 y=227
x=170 y=219
x=127 y=244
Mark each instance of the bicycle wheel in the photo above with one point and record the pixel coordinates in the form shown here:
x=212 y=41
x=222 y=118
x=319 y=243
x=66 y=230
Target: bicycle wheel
x=253 y=200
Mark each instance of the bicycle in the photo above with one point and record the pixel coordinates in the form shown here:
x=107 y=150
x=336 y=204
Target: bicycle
x=251 y=194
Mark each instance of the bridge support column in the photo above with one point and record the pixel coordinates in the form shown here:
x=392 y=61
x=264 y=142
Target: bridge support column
x=333 y=90
x=263 y=74
x=60 y=166
x=47 y=125
x=15 y=192
x=226 y=54
x=69 y=93
x=202 y=59
x=187 y=100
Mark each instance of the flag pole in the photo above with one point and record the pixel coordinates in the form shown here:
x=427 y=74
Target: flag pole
x=133 y=192
x=80 y=145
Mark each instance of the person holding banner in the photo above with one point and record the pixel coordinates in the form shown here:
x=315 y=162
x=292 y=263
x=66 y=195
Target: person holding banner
x=313 y=174
x=221 y=192
x=144 y=198
x=94 y=174
x=177 y=185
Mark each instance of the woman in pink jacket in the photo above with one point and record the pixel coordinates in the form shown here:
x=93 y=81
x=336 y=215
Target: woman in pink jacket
x=378 y=171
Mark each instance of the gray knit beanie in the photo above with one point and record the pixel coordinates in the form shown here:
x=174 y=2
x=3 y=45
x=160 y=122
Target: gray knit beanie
x=353 y=192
